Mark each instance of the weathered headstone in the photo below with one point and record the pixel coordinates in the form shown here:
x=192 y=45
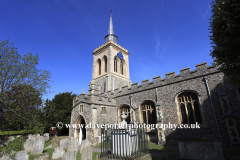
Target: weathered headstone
x=86 y=150
x=28 y=145
x=22 y=155
x=38 y=135
x=56 y=141
x=85 y=143
x=58 y=153
x=42 y=157
x=5 y=156
x=11 y=138
x=38 y=145
x=86 y=153
x=73 y=144
x=71 y=155
x=46 y=135
x=29 y=136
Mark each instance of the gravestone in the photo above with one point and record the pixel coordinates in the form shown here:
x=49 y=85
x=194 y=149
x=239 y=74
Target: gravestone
x=38 y=145
x=86 y=153
x=58 y=153
x=28 y=145
x=71 y=155
x=5 y=156
x=73 y=144
x=22 y=155
x=46 y=135
x=38 y=135
x=11 y=138
x=42 y=157
x=56 y=141
x=85 y=143
x=29 y=136
x=86 y=150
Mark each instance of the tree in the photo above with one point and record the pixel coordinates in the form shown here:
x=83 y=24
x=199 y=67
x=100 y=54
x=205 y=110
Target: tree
x=59 y=110
x=16 y=72
x=225 y=37
x=21 y=108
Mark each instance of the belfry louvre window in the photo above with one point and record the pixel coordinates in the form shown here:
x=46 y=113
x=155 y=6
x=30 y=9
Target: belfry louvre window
x=148 y=110
x=115 y=64
x=103 y=110
x=189 y=108
x=121 y=67
x=81 y=108
x=105 y=60
x=99 y=69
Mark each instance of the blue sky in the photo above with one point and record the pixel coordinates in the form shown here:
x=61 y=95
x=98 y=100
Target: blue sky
x=161 y=36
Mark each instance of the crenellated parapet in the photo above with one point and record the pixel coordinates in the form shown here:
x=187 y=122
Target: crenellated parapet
x=202 y=69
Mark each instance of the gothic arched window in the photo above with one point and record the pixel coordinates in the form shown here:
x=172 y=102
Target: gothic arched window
x=121 y=66
x=115 y=64
x=189 y=108
x=99 y=69
x=148 y=113
x=105 y=62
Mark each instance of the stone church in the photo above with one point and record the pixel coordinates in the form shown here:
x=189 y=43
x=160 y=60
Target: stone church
x=200 y=96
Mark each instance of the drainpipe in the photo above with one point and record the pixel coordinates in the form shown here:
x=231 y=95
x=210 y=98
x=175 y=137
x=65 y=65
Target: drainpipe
x=205 y=80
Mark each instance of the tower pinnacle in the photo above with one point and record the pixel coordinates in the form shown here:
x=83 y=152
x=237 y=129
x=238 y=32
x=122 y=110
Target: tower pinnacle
x=110 y=35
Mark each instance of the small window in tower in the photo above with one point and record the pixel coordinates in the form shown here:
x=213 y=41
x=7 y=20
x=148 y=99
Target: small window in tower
x=115 y=64
x=80 y=108
x=105 y=60
x=103 y=111
x=121 y=67
x=99 y=63
x=104 y=89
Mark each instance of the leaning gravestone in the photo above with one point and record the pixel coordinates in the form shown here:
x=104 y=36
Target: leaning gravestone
x=5 y=156
x=28 y=145
x=56 y=141
x=71 y=155
x=42 y=157
x=22 y=155
x=38 y=145
x=58 y=153
x=86 y=150
x=73 y=144
x=46 y=135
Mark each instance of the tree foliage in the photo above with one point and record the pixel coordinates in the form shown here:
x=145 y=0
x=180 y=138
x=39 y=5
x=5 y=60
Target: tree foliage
x=224 y=26
x=21 y=107
x=58 y=110
x=21 y=87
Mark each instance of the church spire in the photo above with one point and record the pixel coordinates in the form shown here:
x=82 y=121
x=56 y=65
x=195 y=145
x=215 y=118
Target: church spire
x=110 y=35
x=110 y=30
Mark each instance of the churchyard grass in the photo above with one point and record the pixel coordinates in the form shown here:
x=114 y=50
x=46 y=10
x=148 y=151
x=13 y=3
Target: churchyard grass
x=163 y=148
x=48 y=142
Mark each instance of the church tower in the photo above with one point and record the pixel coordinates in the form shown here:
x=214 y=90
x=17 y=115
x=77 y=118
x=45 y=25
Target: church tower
x=110 y=63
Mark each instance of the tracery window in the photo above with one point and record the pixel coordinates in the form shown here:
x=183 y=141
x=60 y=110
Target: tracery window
x=188 y=104
x=148 y=111
x=126 y=109
x=115 y=64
